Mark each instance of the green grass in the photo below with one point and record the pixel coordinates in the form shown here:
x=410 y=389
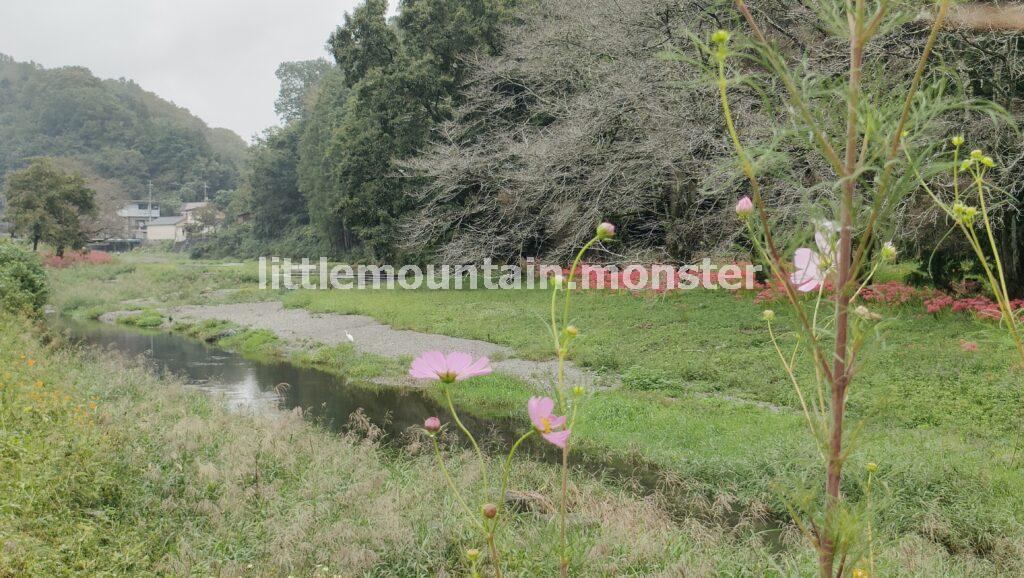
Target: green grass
x=109 y=470
x=148 y=280
x=715 y=343
x=942 y=421
x=145 y=319
x=345 y=360
x=705 y=403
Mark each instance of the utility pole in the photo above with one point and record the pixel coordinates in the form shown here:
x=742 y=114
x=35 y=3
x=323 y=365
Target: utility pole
x=206 y=192
x=150 y=201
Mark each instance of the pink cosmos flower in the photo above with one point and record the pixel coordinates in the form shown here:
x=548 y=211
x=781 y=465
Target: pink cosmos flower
x=540 y=410
x=808 y=275
x=605 y=230
x=745 y=207
x=456 y=366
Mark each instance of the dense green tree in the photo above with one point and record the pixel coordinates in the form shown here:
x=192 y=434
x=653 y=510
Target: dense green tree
x=349 y=127
x=298 y=81
x=23 y=288
x=365 y=42
x=402 y=80
x=276 y=202
x=46 y=203
x=317 y=170
x=443 y=32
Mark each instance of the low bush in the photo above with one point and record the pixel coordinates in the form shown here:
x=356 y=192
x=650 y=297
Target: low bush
x=146 y=318
x=23 y=287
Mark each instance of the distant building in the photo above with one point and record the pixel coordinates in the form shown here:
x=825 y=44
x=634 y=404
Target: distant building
x=166 y=229
x=189 y=207
x=136 y=215
x=192 y=212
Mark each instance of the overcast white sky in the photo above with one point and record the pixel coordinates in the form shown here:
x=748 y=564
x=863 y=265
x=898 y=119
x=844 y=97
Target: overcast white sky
x=215 y=57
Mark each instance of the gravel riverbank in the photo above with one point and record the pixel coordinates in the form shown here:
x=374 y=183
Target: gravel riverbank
x=300 y=327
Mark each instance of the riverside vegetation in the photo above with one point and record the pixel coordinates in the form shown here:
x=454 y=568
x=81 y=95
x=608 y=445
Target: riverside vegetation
x=109 y=470
x=913 y=462
x=700 y=403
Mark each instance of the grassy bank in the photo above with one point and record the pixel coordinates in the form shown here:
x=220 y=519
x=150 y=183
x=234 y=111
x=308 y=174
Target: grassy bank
x=940 y=420
x=110 y=470
x=697 y=370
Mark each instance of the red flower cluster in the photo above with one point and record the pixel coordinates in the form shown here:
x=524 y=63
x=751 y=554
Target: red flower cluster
x=892 y=293
x=888 y=293
x=981 y=306
x=77 y=258
x=896 y=293
x=777 y=291
x=938 y=303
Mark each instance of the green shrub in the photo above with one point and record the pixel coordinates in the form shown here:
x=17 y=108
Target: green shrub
x=22 y=280
x=147 y=318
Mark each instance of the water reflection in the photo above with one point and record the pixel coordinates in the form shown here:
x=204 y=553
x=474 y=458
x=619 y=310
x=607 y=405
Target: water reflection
x=244 y=383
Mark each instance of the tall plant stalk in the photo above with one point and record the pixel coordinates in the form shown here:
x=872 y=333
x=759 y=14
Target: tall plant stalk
x=837 y=368
x=490 y=518
x=562 y=334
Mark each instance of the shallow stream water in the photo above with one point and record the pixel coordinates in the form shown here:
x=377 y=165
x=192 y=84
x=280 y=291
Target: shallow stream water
x=262 y=385
x=331 y=400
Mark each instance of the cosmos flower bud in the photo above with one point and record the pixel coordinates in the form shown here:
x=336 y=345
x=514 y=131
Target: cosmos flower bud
x=572 y=331
x=490 y=511
x=578 y=390
x=605 y=230
x=976 y=154
x=872 y=467
x=988 y=162
x=720 y=37
x=966 y=165
x=964 y=213
x=472 y=554
x=768 y=315
x=889 y=251
x=958 y=140
x=744 y=207
x=432 y=425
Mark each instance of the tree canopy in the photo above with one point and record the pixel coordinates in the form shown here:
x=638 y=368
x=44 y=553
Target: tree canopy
x=334 y=166
x=46 y=203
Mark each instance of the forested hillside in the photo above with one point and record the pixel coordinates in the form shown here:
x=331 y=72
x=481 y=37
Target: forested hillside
x=461 y=130
x=117 y=134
